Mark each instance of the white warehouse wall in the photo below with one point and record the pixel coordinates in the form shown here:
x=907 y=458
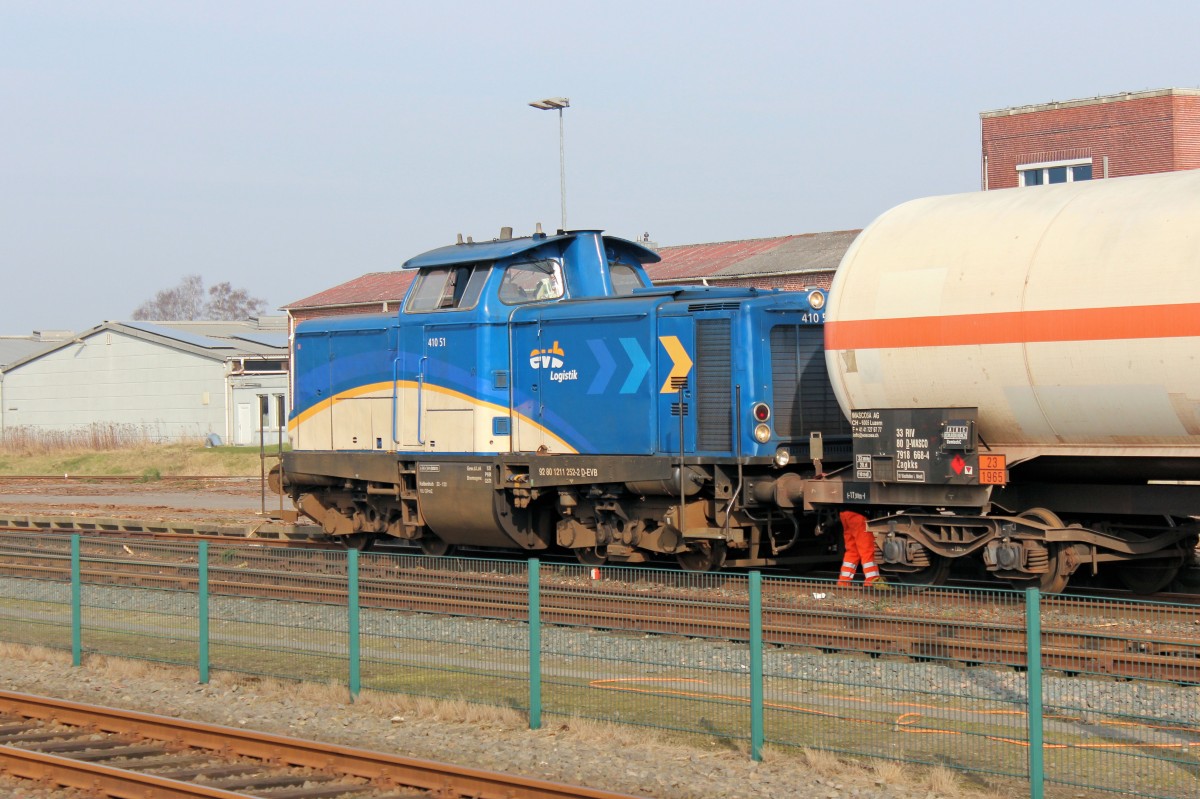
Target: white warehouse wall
x=113 y=378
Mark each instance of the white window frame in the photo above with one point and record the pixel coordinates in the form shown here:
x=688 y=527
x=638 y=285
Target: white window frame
x=1046 y=165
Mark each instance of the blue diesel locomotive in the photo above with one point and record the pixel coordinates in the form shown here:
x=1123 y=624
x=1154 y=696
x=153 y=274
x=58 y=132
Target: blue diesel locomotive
x=539 y=393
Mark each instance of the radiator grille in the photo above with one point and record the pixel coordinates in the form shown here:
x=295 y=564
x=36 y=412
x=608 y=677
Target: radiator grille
x=714 y=386
x=803 y=398
x=725 y=305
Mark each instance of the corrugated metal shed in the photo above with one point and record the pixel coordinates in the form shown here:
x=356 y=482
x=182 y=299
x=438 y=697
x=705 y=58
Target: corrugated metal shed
x=155 y=381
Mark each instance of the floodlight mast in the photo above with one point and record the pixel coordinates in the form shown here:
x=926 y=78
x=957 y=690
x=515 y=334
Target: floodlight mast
x=558 y=104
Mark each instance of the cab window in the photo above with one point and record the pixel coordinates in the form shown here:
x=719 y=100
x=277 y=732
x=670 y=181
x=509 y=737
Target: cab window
x=447 y=287
x=624 y=278
x=533 y=281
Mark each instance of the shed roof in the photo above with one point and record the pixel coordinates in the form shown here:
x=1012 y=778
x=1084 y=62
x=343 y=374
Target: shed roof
x=15 y=348
x=805 y=252
x=259 y=337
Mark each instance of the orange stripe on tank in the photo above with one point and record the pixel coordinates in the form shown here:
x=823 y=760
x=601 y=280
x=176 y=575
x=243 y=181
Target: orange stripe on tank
x=1017 y=327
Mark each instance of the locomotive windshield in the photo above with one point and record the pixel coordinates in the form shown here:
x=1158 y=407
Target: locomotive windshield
x=533 y=281
x=447 y=287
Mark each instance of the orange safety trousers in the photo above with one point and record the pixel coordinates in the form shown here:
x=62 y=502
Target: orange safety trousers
x=860 y=548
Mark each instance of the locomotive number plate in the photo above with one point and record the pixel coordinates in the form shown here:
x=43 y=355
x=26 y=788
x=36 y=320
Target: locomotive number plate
x=993 y=470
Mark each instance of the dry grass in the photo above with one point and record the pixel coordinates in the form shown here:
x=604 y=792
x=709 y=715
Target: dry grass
x=149 y=461
x=34 y=654
x=824 y=764
x=617 y=735
x=453 y=711
x=944 y=782
x=93 y=438
x=891 y=772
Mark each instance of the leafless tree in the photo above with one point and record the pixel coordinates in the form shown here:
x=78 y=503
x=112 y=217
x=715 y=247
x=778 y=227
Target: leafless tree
x=226 y=302
x=187 y=302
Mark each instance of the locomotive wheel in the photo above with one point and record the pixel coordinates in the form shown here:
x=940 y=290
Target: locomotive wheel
x=1149 y=576
x=592 y=556
x=435 y=547
x=702 y=556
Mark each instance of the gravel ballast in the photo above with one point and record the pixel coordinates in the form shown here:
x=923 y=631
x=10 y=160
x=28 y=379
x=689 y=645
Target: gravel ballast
x=609 y=757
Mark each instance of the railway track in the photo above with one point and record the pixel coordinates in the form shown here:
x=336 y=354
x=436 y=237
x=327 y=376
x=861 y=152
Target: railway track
x=123 y=753
x=1097 y=637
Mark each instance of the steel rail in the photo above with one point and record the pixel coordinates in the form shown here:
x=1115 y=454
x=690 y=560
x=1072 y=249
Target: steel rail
x=382 y=771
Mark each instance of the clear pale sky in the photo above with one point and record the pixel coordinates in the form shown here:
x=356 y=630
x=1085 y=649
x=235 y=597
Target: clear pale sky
x=290 y=146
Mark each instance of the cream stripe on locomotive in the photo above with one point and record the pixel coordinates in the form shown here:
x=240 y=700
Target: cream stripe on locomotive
x=361 y=418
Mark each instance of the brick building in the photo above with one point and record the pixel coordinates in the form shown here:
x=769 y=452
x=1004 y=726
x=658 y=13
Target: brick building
x=1133 y=133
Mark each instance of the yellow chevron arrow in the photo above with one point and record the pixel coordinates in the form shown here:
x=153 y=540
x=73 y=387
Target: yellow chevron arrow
x=683 y=364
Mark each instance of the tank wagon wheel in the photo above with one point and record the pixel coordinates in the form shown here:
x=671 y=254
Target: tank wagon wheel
x=363 y=542
x=702 y=556
x=435 y=547
x=1149 y=576
x=1054 y=580
x=936 y=573
x=592 y=556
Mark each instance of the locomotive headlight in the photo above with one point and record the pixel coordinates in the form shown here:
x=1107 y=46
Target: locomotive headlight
x=761 y=411
x=816 y=300
x=762 y=433
x=782 y=457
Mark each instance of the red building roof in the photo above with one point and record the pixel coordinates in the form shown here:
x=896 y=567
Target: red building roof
x=371 y=288
x=807 y=252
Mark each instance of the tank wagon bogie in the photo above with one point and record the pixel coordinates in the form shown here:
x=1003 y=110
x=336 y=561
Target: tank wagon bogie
x=539 y=393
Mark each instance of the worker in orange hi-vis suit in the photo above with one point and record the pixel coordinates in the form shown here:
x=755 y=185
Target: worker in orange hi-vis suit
x=860 y=548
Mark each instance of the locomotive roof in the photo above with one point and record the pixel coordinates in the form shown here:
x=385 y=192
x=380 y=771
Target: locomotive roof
x=498 y=249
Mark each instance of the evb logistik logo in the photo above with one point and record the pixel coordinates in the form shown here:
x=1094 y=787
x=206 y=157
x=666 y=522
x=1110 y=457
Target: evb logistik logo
x=552 y=358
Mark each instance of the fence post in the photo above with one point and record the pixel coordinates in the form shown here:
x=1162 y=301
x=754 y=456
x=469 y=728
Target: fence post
x=535 y=644
x=756 y=667
x=76 y=604
x=1033 y=691
x=353 y=627
x=202 y=608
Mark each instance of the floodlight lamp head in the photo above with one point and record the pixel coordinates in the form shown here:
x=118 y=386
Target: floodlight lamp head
x=552 y=103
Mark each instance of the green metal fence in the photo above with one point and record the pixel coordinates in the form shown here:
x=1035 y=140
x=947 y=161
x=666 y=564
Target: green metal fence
x=1093 y=694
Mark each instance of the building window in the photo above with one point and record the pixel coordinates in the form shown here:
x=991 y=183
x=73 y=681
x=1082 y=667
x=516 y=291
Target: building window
x=1054 y=172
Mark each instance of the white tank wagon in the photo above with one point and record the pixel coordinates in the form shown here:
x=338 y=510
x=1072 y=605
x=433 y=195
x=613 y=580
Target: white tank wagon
x=1069 y=316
